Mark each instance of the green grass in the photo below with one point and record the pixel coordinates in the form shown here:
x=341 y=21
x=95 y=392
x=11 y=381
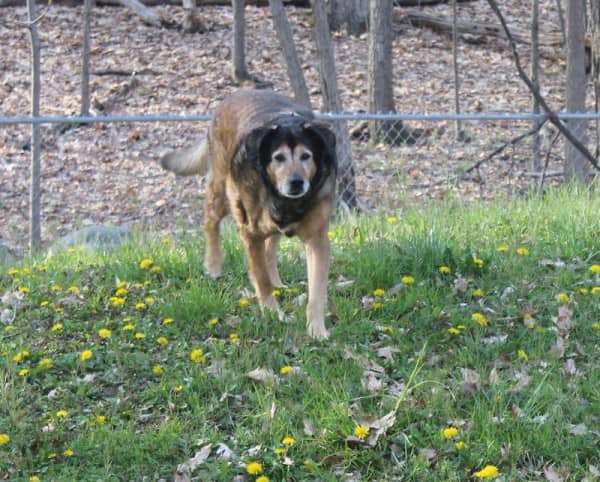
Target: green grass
x=518 y=402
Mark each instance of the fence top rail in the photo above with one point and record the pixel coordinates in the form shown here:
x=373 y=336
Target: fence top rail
x=348 y=116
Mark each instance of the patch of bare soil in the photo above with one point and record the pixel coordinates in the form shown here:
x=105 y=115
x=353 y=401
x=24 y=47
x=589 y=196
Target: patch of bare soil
x=108 y=174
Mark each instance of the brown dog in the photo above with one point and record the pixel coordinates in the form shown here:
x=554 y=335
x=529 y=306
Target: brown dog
x=274 y=168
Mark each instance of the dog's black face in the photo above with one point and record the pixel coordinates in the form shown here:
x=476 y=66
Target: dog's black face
x=293 y=155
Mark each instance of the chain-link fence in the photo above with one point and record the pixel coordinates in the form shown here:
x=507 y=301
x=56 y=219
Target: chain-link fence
x=103 y=170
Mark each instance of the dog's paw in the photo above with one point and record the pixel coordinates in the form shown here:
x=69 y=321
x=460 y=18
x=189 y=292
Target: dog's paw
x=214 y=270
x=317 y=331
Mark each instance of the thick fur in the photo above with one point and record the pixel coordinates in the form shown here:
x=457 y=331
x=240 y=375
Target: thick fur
x=274 y=168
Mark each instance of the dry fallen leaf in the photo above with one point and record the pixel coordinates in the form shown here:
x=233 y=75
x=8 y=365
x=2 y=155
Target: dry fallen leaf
x=264 y=375
x=376 y=426
x=185 y=470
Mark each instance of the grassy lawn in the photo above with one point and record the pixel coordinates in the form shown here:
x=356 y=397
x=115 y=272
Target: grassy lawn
x=464 y=344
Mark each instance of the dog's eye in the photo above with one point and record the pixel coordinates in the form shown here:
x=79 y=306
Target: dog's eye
x=305 y=156
x=279 y=157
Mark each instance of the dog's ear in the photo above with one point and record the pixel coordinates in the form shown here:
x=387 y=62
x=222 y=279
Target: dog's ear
x=254 y=142
x=324 y=136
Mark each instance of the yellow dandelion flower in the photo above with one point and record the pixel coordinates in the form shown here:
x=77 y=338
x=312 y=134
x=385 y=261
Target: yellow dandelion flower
x=149 y=300
x=196 y=355
x=157 y=370
x=444 y=269
x=583 y=291
x=73 y=289
x=24 y=289
x=100 y=420
x=254 y=468
x=479 y=318
x=285 y=370
x=596 y=325
x=178 y=388
x=86 y=355
x=166 y=240
x=234 y=338
x=121 y=292
x=450 y=432
x=392 y=219
x=330 y=234
x=116 y=301
x=563 y=297
x=478 y=262
x=51 y=455
x=522 y=251
x=140 y=336
x=379 y=292
x=478 y=293
x=213 y=321
x=162 y=341
x=310 y=466
x=388 y=329
x=595 y=269
x=23 y=372
x=45 y=363
x=62 y=414
x=488 y=472
x=288 y=441
x=454 y=331
x=19 y=357
x=129 y=327
x=4 y=438
x=276 y=292
x=262 y=478
x=407 y=280
x=244 y=302
x=376 y=305
x=502 y=248
x=361 y=432
x=104 y=333
x=523 y=355
x=155 y=269
x=68 y=453
x=13 y=272
x=145 y=263
x=44 y=303
x=279 y=451
x=460 y=445
x=168 y=321
x=57 y=327
x=56 y=287
x=140 y=306
x=34 y=478
x=595 y=290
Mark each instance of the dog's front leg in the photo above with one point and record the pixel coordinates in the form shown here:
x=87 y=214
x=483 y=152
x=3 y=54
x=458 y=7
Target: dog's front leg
x=259 y=272
x=272 y=247
x=317 y=262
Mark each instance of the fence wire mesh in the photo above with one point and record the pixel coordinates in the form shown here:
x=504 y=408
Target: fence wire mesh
x=105 y=171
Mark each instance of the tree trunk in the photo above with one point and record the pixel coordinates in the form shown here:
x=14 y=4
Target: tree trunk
x=85 y=58
x=35 y=229
x=331 y=98
x=351 y=14
x=191 y=22
x=576 y=165
x=380 y=77
x=535 y=61
x=286 y=40
x=148 y=16
x=238 y=50
x=595 y=60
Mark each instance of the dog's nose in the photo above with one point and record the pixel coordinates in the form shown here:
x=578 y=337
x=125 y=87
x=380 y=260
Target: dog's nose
x=296 y=186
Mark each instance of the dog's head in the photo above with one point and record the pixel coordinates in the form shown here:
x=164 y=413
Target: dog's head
x=293 y=154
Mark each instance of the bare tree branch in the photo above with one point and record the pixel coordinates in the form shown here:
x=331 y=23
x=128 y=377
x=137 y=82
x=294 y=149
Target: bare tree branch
x=552 y=117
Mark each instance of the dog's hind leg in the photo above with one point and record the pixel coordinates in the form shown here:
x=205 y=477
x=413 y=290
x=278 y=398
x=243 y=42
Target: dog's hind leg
x=271 y=249
x=215 y=209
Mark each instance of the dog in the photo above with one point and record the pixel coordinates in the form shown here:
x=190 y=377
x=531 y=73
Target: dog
x=273 y=167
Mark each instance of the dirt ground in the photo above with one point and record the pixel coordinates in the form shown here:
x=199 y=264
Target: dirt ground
x=108 y=174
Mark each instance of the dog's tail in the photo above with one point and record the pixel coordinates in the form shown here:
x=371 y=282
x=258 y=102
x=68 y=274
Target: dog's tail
x=193 y=160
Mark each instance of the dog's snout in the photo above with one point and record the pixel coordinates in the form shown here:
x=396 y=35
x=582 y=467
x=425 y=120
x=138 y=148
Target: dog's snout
x=296 y=186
